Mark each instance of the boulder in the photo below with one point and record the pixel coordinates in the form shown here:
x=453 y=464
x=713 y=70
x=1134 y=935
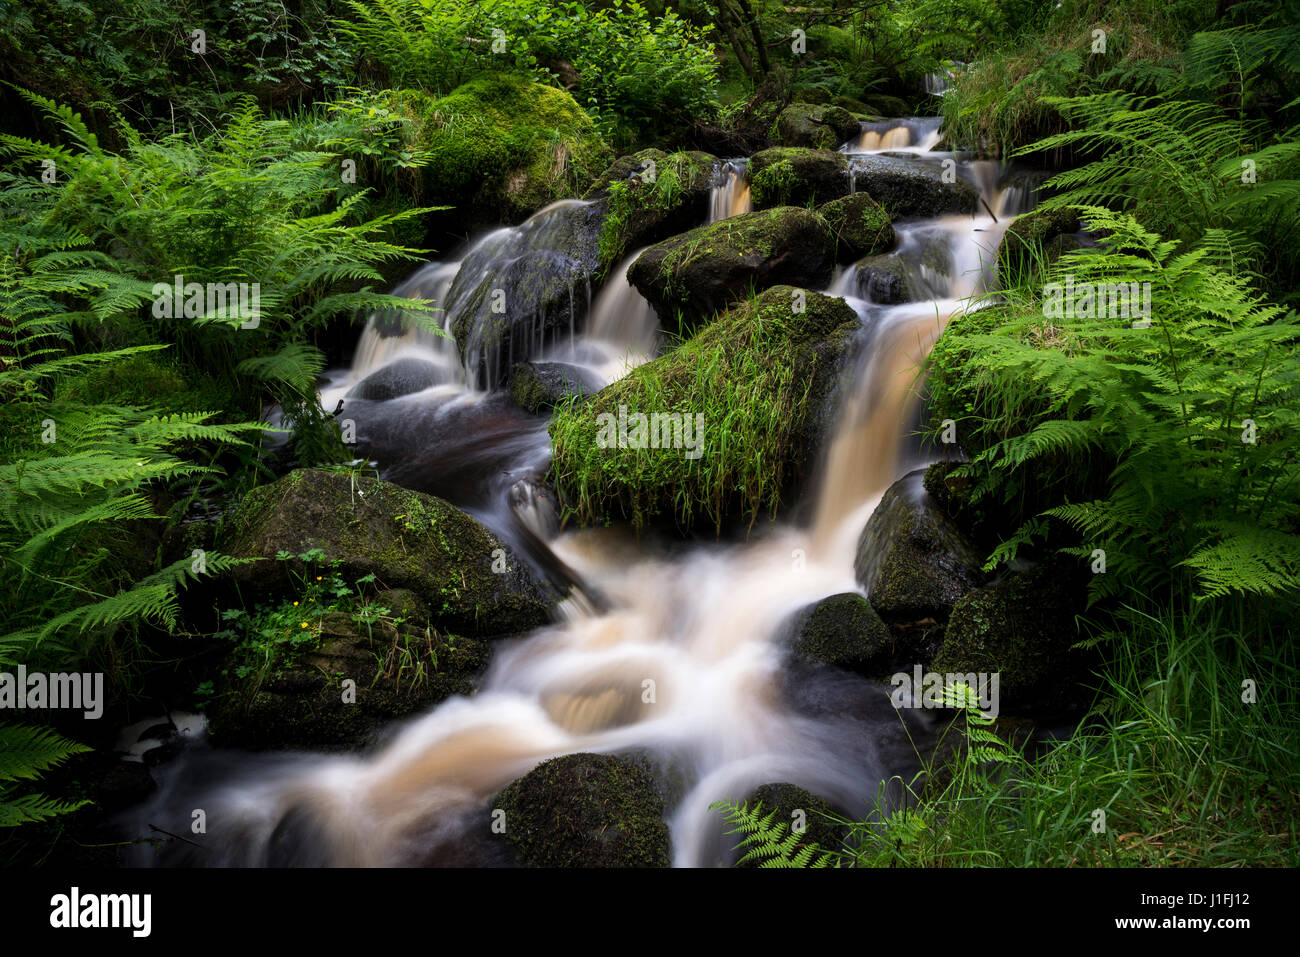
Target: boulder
x=405 y=539
x=817 y=127
x=844 y=631
x=885 y=105
x=884 y=280
x=400 y=377
x=908 y=189
x=585 y=810
x=694 y=275
x=861 y=227
x=649 y=196
x=1021 y=628
x=293 y=698
x=767 y=368
x=794 y=805
x=502 y=146
x=538 y=387
x=913 y=561
x=795 y=176
x=1037 y=236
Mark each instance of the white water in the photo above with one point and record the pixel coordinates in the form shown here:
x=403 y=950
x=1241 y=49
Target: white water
x=731 y=196
x=917 y=134
x=702 y=626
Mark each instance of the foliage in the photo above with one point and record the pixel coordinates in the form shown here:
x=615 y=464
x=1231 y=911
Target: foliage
x=25 y=752
x=769 y=843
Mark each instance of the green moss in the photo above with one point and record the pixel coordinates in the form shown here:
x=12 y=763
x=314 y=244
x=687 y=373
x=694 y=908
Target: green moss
x=504 y=144
x=640 y=209
x=821 y=127
x=844 y=631
x=756 y=374
x=795 y=176
x=861 y=226
x=585 y=810
x=1029 y=240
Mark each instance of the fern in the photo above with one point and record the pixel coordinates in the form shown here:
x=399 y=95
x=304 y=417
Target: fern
x=768 y=843
x=24 y=753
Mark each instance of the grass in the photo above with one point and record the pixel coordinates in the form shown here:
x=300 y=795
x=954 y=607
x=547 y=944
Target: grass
x=1184 y=772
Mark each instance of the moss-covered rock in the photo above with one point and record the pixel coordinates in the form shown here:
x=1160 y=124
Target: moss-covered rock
x=1029 y=239
x=503 y=145
x=762 y=371
x=1022 y=628
x=692 y=276
x=649 y=196
x=861 y=227
x=912 y=559
x=890 y=107
x=400 y=663
x=796 y=176
x=537 y=387
x=813 y=126
x=798 y=807
x=908 y=189
x=844 y=631
x=884 y=280
x=585 y=810
x=406 y=539
x=852 y=104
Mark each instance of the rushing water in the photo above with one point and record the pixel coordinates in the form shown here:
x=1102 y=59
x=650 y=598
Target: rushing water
x=703 y=623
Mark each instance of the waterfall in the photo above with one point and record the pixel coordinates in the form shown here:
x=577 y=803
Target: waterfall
x=730 y=197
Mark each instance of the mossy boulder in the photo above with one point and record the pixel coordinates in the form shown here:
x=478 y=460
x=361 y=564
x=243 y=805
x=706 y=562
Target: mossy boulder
x=852 y=104
x=1031 y=238
x=537 y=387
x=765 y=371
x=884 y=280
x=796 y=806
x=585 y=810
x=818 y=127
x=400 y=663
x=649 y=196
x=406 y=539
x=913 y=560
x=1022 y=628
x=692 y=276
x=797 y=176
x=861 y=227
x=885 y=105
x=401 y=377
x=503 y=146
x=844 y=631
x=908 y=189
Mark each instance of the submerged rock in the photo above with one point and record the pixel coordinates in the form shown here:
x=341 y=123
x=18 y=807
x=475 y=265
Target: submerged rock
x=861 y=227
x=698 y=273
x=400 y=377
x=401 y=666
x=538 y=387
x=908 y=189
x=751 y=386
x=406 y=539
x=1022 y=628
x=844 y=631
x=585 y=810
x=795 y=176
x=912 y=559
x=821 y=127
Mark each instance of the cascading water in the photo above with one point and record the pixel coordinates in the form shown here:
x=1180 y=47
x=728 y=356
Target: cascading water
x=916 y=134
x=704 y=625
x=731 y=196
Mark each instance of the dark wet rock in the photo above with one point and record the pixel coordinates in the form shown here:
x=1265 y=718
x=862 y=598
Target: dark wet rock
x=400 y=663
x=861 y=227
x=585 y=810
x=884 y=280
x=797 y=807
x=885 y=105
x=1030 y=239
x=844 y=631
x=796 y=176
x=1021 y=628
x=699 y=273
x=819 y=127
x=400 y=377
x=912 y=559
x=406 y=539
x=911 y=189
x=537 y=387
